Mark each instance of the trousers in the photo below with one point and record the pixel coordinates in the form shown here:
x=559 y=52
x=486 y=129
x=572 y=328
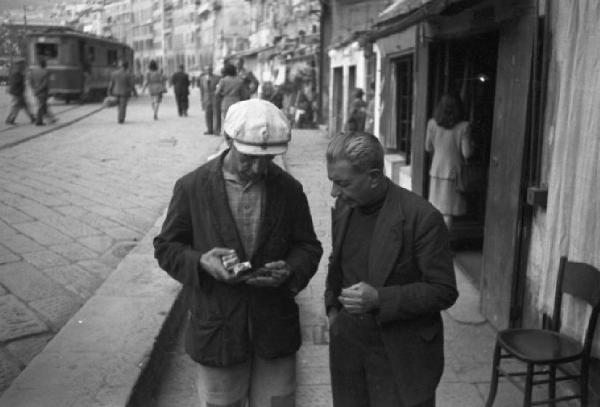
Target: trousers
x=122 y=106
x=208 y=115
x=361 y=373
x=18 y=102
x=43 y=111
x=255 y=383
x=182 y=103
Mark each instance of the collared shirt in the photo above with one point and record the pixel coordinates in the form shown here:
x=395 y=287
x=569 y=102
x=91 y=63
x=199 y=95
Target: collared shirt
x=246 y=204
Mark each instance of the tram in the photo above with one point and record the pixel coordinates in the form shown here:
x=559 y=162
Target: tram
x=80 y=64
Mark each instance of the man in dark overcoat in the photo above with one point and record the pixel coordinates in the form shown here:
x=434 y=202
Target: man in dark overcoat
x=181 y=87
x=16 y=89
x=390 y=274
x=121 y=86
x=243 y=330
x=39 y=79
x=208 y=86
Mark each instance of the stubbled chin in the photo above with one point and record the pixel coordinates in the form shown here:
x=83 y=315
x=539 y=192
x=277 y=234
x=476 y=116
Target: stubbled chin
x=348 y=202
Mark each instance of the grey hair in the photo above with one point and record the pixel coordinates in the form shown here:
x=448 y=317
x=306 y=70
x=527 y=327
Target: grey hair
x=362 y=150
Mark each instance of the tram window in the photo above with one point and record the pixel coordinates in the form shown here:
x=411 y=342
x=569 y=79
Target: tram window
x=49 y=51
x=91 y=54
x=111 y=57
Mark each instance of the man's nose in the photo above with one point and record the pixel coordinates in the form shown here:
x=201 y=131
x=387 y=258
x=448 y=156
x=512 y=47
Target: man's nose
x=258 y=166
x=335 y=191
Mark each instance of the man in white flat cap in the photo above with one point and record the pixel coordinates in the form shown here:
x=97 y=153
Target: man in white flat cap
x=243 y=329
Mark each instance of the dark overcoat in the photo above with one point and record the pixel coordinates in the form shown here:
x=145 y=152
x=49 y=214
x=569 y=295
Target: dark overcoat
x=181 y=83
x=222 y=315
x=410 y=265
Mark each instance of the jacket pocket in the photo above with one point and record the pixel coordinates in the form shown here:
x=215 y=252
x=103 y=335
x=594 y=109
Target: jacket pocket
x=216 y=342
x=430 y=332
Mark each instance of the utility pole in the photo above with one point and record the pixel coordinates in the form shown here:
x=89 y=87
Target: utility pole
x=24 y=36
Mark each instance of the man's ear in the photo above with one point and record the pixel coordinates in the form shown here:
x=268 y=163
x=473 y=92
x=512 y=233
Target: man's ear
x=375 y=177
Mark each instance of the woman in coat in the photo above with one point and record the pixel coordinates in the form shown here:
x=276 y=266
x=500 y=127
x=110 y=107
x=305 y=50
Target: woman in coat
x=155 y=82
x=448 y=138
x=230 y=89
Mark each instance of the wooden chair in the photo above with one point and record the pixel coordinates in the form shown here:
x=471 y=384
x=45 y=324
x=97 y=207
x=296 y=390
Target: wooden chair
x=550 y=348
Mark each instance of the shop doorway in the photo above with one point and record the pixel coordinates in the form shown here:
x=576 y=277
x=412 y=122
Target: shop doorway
x=467 y=67
x=337 y=101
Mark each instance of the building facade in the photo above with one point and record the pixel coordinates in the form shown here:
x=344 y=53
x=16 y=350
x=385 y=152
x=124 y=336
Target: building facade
x=350 y=57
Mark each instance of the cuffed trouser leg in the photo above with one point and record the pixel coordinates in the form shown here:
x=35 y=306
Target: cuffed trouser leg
x=185 y=103
x=41 y=112
x=208 y=115
x=256 y=383
x=273 y=382
x=122 y=108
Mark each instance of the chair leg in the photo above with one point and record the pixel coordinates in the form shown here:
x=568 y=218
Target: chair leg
x=494 y=380
x=552 y=385
x=584 y=386
x=528 y=385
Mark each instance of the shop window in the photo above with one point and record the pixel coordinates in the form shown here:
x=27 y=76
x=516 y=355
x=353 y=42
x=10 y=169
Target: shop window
x=404 y=103
x=111 y=57
x=91 y=54
x=49 y=51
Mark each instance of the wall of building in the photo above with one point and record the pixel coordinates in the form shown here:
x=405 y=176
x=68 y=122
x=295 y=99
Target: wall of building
x=358 y=16
x=351 y=55
x=384 y=48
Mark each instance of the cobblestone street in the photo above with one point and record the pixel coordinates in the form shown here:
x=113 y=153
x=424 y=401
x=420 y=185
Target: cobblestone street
x=73 y=203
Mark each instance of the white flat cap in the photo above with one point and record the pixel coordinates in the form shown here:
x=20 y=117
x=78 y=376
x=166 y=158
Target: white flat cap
x=257 y=127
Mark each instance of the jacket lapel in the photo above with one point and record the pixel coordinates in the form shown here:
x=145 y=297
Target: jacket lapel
x=387 y=239
x=339 y=224
x=220 y=212
x=273 y=206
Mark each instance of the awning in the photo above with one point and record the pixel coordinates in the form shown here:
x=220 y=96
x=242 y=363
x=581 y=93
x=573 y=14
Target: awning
x=400 y=7
x=251 y=51
x=405 y=13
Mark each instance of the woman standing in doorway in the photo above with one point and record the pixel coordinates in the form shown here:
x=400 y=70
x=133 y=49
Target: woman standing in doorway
x=155 y=84
x=448 y=138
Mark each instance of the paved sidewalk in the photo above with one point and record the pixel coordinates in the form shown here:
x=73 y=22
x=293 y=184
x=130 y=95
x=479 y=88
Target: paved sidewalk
x=469 y=339
x=73 y=203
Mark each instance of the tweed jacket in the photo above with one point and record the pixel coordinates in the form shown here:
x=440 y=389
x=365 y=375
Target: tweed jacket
x=410 y=265
x=230 y=322
x=208 y=85
x=121 y=83
x=39 y=79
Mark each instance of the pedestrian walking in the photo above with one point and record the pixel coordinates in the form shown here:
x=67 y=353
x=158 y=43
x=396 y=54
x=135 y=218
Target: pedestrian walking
x=390 y=274
x=448 y=138
x=155 y=82
x=247 y=77
x=230 y=89
x=272 y=93
x=357 y=113
x=208 y=85
x=16 y=89
x=181 y=87
x=39 y=79
x=243 y=330
x=121 y=86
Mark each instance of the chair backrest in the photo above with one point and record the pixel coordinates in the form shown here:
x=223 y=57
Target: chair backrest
x=581 y=281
